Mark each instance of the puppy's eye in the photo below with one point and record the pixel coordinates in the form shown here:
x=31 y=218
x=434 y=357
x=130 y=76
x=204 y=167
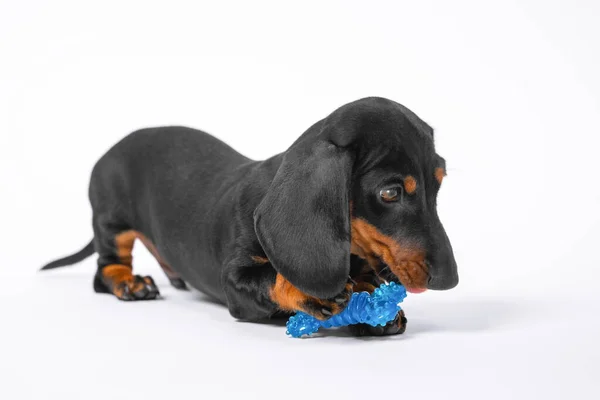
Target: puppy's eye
x=391 y=194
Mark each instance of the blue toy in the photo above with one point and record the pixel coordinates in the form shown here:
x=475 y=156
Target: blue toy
x=374 y=309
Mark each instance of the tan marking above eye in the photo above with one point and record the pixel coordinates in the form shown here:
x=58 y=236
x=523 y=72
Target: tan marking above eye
x=260 y=259
x=440 y=173
x=410 y=184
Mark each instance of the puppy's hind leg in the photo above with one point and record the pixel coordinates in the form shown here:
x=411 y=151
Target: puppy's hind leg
x=176 y=281
x=114 y=245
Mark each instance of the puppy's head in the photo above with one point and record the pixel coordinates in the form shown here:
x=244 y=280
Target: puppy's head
x=396 y=178
x=364 y=180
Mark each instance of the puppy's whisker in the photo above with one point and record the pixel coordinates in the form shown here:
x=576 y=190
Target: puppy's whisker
x=381 y=271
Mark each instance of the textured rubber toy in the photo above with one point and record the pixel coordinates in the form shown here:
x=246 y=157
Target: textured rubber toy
x=374 y=309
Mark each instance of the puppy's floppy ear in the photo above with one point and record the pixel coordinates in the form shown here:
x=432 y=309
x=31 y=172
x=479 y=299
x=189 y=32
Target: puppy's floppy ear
x=303 y=222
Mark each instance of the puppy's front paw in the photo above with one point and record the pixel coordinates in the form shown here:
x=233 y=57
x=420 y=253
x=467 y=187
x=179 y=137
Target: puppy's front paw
x=395 y=327
x=289 y=298
x=325 y=308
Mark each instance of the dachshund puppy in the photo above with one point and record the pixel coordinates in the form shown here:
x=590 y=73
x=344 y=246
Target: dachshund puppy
x=350 y=204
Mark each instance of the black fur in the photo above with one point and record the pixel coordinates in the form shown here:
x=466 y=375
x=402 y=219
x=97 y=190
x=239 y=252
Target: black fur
x=209 y=210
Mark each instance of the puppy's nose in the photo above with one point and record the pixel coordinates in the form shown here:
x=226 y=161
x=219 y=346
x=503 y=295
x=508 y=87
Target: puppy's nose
x=443 y=282
x=443 y=273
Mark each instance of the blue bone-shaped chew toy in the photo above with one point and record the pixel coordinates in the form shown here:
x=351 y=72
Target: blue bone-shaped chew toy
x=374 y=309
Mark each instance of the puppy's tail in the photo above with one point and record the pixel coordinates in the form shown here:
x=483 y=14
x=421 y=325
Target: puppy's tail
x=72 y=259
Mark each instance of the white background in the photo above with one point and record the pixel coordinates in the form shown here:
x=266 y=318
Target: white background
x=512 y=89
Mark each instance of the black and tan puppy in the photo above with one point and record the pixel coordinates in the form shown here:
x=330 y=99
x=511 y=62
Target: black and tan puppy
x=351 y=203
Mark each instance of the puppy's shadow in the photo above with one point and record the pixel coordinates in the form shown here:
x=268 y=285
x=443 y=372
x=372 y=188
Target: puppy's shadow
x=461 y=315
x=465 y=315
x=203 y=298
x=277 y=321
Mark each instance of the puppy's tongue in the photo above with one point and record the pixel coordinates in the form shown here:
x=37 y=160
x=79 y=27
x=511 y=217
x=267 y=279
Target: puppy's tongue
x=415 y=290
